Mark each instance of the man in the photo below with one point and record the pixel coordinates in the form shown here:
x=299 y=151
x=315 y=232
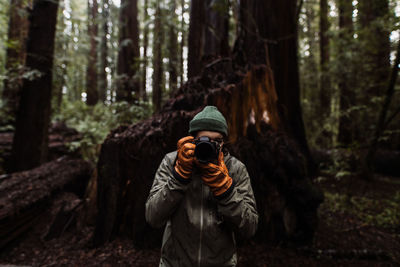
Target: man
x=203 y=204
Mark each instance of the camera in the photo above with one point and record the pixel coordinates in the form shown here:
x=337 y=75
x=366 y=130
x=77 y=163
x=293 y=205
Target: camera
x=206 y=150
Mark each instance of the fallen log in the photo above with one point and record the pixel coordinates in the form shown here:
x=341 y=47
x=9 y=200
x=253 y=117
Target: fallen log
x=24 y=196
x=287 y=202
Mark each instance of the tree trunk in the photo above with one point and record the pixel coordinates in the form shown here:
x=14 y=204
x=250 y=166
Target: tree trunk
x=286 y=200
x=217 y=29
x=31 y=132
x=103 y=83
x=182 y=44
x=346 y=91
x=196 y=37
x=268 y=35
x=375 y=46
x=172 y=51
x=24 y=196
x=128 y=86
x=15 y=55
x=325 y=83
x=158 y=80
x=91 y=72
x=374 y=68
x=143 y=94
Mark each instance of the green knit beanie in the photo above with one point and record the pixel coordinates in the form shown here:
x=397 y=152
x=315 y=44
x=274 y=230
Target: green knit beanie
x=209 y=119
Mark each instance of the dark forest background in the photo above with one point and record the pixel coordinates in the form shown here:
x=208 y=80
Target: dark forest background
x=309 y=89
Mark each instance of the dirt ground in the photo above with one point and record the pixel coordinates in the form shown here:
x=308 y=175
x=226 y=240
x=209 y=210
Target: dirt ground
x=359 y=226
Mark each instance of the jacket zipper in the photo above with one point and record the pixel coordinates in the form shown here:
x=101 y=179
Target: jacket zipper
x=201 y=227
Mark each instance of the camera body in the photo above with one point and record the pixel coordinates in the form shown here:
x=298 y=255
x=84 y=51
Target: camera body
x=206 y=150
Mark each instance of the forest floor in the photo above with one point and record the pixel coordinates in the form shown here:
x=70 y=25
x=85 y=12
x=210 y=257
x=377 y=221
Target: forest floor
x=359 y=226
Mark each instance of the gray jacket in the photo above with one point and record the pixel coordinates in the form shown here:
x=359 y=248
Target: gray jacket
x=199 y=229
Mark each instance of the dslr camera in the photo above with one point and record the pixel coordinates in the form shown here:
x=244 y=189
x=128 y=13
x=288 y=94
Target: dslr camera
x=206 y=150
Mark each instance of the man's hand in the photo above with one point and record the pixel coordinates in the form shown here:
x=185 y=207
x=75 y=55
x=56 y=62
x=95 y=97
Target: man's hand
x=185 y=159
x=216 y=176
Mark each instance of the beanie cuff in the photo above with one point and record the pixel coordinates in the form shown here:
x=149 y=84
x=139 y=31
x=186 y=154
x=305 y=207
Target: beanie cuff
x=208 y=124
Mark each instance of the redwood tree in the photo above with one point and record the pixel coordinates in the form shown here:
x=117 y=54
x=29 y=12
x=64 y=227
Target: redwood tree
x=325 y=84
x=346 y=91
x=91 y=71
x=196 y=37
x=268 y=35
x=30 y=141
x=15 y=55
x=217 y=28
x=128 y=86
x=157 y=60
x=103 y=47
x=172 y=49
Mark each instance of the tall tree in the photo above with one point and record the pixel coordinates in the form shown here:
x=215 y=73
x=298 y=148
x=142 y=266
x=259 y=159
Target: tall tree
x=128 y=86
x=325 y=83
x=30 y=141
x=145 y=44
x=268 y=35
x=158 y=80
x=91 y=71
x=196 y=37
x=15 y=58
x=374 y=68
x=375 y=45
x=172 y=49
x=182 y=44
x=103 y=46
x=217 y=28
x=346 y=90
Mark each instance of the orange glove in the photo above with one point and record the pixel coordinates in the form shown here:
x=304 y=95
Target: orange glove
x=185 y=159
x=216 y=176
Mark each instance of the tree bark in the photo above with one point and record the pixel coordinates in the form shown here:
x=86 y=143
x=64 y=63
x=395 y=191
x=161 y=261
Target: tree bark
x=346 y=91
x=196 y=37
x=103 y=46
x=15 y=55
x=158 y=80
x=172 y=50
x=143 y=94
x=91 y=71
x=375 y=46
x=182 y=44
x=216 y=42
x=128 y=86
x=324 y=40
x=268 y=35
x=31 y=133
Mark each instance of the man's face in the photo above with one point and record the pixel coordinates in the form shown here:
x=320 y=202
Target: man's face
x=214 y=136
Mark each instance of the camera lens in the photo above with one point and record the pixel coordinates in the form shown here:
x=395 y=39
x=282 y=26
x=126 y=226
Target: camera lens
x=205 y=150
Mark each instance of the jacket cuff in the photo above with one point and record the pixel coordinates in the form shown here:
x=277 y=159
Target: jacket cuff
x=179 y=178
x=226 y=193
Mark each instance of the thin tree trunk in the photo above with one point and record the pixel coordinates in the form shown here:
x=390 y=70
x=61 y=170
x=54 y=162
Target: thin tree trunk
x=91 y=72
x=217 y=29
x=346 y=94
x=182 y=46
x=172 y=50
x=15 y=55
x=128 y=54
x=102 y=82
x=143 y=94
x=325 y=83
x=196 y=37
x=31 y=134
x=157 y=61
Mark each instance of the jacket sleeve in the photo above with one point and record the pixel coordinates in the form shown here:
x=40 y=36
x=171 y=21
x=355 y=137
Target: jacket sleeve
x=239 y=206
x=165 y=194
